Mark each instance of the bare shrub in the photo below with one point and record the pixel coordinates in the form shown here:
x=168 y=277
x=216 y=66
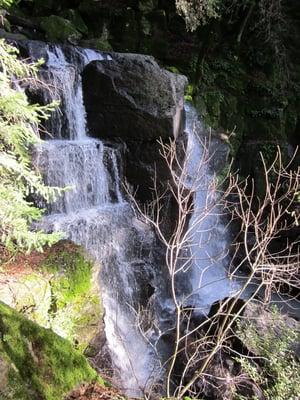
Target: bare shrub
x=264 y=259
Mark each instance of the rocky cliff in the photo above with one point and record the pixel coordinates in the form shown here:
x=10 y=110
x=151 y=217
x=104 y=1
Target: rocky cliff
x=243 y=81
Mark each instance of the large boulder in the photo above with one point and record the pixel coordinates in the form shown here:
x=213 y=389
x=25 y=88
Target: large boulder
x=131 y=97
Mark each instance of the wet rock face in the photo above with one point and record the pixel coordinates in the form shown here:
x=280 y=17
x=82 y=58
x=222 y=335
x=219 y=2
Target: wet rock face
x=131 y=97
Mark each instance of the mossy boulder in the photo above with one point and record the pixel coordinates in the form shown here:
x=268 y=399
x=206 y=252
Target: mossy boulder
x=35 y=363
x=30 y=295
x=75 y=18
x=59 y=291
x=59 y=29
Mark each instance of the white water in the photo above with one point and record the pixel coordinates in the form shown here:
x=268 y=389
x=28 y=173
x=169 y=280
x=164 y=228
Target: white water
x=94 y=214
x=78 y=165
x=208 y=234
x=66 y=87
x=91 y=55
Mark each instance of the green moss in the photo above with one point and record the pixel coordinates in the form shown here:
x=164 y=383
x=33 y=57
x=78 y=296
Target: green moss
x=86 y=320
x=97 y=43
x=75 y=18
x=75 y=311
x=62 y=294
x=209 y=104
x=172 y=69
x=39 y=364
x=59 y=29
x=72 y=275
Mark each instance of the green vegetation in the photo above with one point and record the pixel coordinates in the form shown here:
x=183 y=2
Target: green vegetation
x=6 y=3
x=197 y=12
x=59 y=29
x=59 y=293
x=274 y=368
x=36 y=364
x=18 y=133
x=189 y=93
x=74 y=275
x=75 y=309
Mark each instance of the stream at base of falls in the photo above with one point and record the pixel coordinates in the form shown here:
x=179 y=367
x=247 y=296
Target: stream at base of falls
x=95 y=214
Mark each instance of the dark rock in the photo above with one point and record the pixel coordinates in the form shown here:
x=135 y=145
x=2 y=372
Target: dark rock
x=250 y=160
x=106 y=8
x=128 y=35
x=131 y=97
x=219 y=312
x=142 y=159
x=33 y=49
x=44 y=6
x=21 y=21
x=11 y=36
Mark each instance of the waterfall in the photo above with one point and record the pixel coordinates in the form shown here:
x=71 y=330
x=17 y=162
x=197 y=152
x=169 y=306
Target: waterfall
x=209 y=236
x=94 y=214
x=65 y=84
x=78 y=165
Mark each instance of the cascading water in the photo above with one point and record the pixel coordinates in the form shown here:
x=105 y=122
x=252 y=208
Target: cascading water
x=65 y=86
x=209 y=236
x=78 y=165
x=94 y=214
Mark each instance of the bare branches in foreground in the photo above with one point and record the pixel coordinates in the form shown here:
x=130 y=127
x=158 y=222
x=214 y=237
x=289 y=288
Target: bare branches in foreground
x=263 y=261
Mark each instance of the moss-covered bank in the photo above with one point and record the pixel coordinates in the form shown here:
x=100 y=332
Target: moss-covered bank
x=57 y=290
x=35 y=363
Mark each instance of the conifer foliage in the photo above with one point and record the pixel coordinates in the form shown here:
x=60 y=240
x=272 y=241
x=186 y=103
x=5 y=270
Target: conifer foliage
x=19 y=181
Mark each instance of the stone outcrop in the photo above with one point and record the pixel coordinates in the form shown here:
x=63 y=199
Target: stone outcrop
x=131 y=97
x=247 y=89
